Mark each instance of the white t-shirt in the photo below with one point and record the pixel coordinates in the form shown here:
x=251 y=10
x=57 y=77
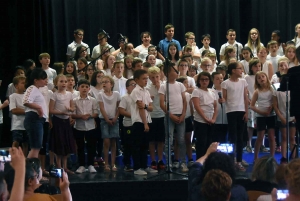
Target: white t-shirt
x=129 y=73
x=47 y=95
x=62 y=102
x=95 y=92
x=237 y=50
x=17 y=121
x=280 y=50
x=207 y=100
x=51 y=74
x=254 y=49
x=126 y=103
x=72 y=48
x=158 y=62
x=211 y=49
x=297 y=42
x=33 y=95
x=264 y=101
x=274 y=62
x=10 y=89
x=191 y=82
x=274 y=79
x=281 y=99
x=265 y=68
x=97 y=50
x=221 y=110
x=157 y=111
x=110 y=103
x=250 y=79
x=246 y=66
x=175 y=96
x=142 y=94
x=120 y=85
x=75 y=94
x=235 y=95
x=143 y=51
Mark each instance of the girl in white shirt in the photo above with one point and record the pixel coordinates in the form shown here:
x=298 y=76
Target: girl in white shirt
x=128 y=72
x=35 y=110
x=254 y=41
x=261 y=103
x=173 y=53
x=266 y=65
x=109 y=102
x=290 y=53
x=205 y=113
x=61 y=105
x=247 y=55
x=296 y=40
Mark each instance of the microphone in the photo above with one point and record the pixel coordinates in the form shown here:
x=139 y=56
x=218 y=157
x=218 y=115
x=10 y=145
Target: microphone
x=121 y=38
x=220 y=97
x=106 y=34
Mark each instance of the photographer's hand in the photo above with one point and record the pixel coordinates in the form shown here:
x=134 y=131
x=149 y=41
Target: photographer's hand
x=64 y=187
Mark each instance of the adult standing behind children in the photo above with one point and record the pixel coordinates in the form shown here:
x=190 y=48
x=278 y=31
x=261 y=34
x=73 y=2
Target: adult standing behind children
x=51 y=73
x=164 y=43
x=231 y=35
x=78 y=37
x=102 y=40
x=35 y=110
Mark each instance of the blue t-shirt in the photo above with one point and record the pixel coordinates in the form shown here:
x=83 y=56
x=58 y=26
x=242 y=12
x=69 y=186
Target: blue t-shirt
x=238 y=193
x=164 y=43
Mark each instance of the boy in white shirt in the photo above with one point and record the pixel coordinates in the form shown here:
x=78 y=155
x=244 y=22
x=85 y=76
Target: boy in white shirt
x=18 y=114
x=231 y=35
x=86 y=110
x=126 y=137
x=157 y=127
x=78 y=37
x=51 y=73
x=190 y=40
x=70 y=86
x=120 y=81
x=140 y=108
x=272 y=56
x=177 y=111
x=205 y=39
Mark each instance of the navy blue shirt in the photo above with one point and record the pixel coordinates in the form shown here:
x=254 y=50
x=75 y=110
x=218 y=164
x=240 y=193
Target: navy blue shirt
x=238 y=193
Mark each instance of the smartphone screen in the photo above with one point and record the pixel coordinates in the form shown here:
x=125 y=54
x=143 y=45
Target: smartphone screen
x=225 y=148
x=282 y=194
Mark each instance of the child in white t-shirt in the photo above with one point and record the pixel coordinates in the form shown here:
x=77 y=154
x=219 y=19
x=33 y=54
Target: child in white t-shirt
x=18 y=114
x=109 y=101
x=183 y=67
x=235 y=97
x=177 y=110
x=273 y=57
x=51 y=73
x=247 y=55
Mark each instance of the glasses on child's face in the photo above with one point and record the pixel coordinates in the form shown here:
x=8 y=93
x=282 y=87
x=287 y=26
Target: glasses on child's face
x=105 y=82
x=204 y=79
x=133 y=84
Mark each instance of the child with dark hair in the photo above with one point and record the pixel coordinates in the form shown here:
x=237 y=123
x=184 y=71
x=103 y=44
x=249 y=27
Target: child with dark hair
x=81 y=51
x=71 y=85
x=205 y=40
x=85 y=112
x=231 y=35
x=36 y=110
x=126 y=136
x=173 y=52
x=29 y=64
x=236 y=100
x=78 y=37
x=276 y=36
x=59 y=67
x=98 y=49
x=164 y=43
x=71 y=69
x=140 y=108
x=142 y=50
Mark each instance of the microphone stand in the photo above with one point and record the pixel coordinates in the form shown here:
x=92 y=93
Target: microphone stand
x=168 y=159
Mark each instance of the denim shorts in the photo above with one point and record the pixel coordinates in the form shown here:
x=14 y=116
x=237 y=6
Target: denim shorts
x=108 y=131
x=34 y=128
x=19 y=136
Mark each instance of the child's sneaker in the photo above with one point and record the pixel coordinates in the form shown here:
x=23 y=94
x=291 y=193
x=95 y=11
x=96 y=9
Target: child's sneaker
x=240 y=167
x=140 y=172
x=114 y=168
x=154 y=165
x=128 y=168
x=184 y=168
x=244 y=163
x=150 y=170
x=161 y=165
x=92 y=169
x=80 y=170
x=176 y=164
x=249 y=149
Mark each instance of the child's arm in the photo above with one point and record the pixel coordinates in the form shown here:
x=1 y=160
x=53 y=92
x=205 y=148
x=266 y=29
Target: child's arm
x=117 y=113
x=18 y=111
x=123 y=112
x=191 y=107
x=224 y=99
x=270 y=71
x=275 y=106
x=142 y=113
x=35 y=107
x=254 y=108
x=103 y=112
x=196 y=102
x=213 y=120
x=4 y=104
x=245 y=118
x=182 y=116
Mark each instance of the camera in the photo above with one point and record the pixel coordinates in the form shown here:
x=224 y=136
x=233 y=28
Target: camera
x=225 y=148
x=56 y=173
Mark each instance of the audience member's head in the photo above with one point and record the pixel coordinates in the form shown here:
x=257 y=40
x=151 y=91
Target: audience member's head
x=264 y=169
x=292 y=177
x=216 y=186
x=221 y=161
